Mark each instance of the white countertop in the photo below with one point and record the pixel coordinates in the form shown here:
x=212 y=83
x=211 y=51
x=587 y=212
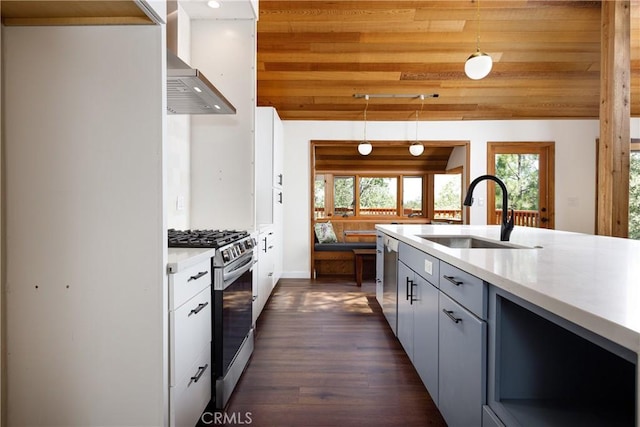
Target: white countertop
x=181 y=258
x=593 y=281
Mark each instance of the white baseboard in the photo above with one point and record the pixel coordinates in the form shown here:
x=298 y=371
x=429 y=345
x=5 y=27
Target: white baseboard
x=295 y=275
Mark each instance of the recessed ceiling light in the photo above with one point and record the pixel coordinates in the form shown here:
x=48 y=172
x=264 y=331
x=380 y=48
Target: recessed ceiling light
x=197 y=89
x=213 y=4
x=216 y=106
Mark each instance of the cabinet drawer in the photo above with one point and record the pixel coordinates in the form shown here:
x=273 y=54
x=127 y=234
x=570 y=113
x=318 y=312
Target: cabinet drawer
x=189 y=398
x=468 y=290
x=184 y=284
x=423 y=264
x=190 y=332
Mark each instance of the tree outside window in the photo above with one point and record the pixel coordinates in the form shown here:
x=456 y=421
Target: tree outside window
x=344 y=195
x=634 y=195
x=447 y=196
x=378 y=196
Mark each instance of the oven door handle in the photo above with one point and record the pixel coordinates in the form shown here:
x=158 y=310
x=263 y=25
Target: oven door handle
x=229 y=277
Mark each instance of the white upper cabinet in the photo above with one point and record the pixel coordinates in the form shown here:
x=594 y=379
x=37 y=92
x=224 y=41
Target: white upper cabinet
x=268 y=163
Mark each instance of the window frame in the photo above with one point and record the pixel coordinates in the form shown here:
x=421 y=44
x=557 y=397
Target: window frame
x=329 y=208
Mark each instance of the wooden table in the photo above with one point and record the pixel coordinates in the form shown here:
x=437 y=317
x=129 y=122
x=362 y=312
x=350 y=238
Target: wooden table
x=359 y=255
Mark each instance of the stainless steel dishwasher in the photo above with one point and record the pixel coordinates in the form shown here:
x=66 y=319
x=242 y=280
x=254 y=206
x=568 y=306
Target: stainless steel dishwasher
x=390 y=282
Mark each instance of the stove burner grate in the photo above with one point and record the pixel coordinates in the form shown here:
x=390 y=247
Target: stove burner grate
x=203 y=238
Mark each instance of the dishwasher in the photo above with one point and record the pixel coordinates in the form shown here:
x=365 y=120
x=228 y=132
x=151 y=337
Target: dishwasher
x=390 y=282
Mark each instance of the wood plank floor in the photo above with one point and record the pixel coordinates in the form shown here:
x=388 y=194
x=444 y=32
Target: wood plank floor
x=325 y=356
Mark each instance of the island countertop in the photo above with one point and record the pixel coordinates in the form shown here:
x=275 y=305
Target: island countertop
x=592 y=281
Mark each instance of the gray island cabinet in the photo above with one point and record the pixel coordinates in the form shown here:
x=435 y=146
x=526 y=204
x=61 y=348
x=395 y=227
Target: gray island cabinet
x=503 y=336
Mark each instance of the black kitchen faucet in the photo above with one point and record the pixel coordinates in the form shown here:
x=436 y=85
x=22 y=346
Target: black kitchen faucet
x=507 y=223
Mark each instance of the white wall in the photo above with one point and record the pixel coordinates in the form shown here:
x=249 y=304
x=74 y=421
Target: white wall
x=86 y=287
x=575 y=167
x=222 y=178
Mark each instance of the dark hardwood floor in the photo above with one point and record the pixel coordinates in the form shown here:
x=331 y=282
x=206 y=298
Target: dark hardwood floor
x=325 y=356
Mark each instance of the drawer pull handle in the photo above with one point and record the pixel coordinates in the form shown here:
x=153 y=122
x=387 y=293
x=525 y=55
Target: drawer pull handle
x=451 y=316
x=453 y=280
x=197 y=276
x=199 y=308
x=199 y=374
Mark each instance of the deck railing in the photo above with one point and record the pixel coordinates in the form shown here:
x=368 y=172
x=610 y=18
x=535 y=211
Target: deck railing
x=521 y=218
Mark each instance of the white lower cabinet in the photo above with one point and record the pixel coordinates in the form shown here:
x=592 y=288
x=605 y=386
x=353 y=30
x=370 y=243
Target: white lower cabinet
x=189 y=344
x=191 y=325
x=190 y=396
x=462 y=370
x=379 y=266
x=266 y=266
x=441 y=312
x=418 y=325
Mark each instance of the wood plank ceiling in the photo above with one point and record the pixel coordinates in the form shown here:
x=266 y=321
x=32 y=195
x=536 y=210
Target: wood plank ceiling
x=387 y=157
x=313 y=56
x=72 y=12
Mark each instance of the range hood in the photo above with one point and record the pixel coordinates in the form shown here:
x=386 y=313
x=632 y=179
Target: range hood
x=188 y=91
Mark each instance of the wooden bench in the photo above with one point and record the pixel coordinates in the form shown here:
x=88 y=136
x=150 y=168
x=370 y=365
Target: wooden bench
x=338 y=259
x=359 y=256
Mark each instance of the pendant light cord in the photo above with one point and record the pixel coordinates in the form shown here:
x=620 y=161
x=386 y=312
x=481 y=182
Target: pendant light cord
x=366 y=106
x=417 y=115
x=478 y=25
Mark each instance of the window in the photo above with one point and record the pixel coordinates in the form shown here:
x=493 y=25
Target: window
x=368 y=196
x=344 y=195
x=412 y=196
x=447 y=196
x=378 y=196
x=319 y=198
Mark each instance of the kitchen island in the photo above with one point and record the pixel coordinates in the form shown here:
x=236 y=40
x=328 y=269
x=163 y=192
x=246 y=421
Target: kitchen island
x=551 y=283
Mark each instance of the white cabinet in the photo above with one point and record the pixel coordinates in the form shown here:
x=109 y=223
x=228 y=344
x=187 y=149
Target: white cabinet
x=189 y=343
x=418 y=324
x=266 y=264
x=268 y=164
x=379 y=267
x=269 y=185
x=462 y=372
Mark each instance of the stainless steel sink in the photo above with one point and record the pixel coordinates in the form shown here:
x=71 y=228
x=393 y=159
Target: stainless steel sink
x=471 y=242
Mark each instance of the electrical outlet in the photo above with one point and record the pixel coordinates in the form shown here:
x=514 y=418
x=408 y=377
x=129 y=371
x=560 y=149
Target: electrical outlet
x=180 y=203
x=428 y=267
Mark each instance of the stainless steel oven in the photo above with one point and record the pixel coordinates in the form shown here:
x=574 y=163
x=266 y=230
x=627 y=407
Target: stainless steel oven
x=232 y=321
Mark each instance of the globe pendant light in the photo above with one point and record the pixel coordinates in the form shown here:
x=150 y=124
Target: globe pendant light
x=365 y=146
x=479 y=64
x=417 y=148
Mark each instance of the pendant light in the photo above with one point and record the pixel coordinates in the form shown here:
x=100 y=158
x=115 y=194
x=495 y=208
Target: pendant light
x=417 y=148
x=365 y=146
x=478 y=65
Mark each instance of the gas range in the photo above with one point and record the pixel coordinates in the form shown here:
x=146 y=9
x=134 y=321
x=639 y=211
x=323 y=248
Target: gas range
x=230 y=244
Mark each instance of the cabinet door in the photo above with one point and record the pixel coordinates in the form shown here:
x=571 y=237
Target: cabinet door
x=425 y=334
x=278 y=230
x=462 y=361
x=379 y=267
x=278 y=151
x=405 y=308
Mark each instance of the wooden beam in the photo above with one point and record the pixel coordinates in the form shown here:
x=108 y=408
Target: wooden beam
x=613 y=149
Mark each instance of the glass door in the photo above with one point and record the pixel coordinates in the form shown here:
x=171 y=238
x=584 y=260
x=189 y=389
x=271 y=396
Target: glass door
x=527 y=170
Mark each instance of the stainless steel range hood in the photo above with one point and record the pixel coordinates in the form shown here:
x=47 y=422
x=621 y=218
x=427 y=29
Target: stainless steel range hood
x=188 y=91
